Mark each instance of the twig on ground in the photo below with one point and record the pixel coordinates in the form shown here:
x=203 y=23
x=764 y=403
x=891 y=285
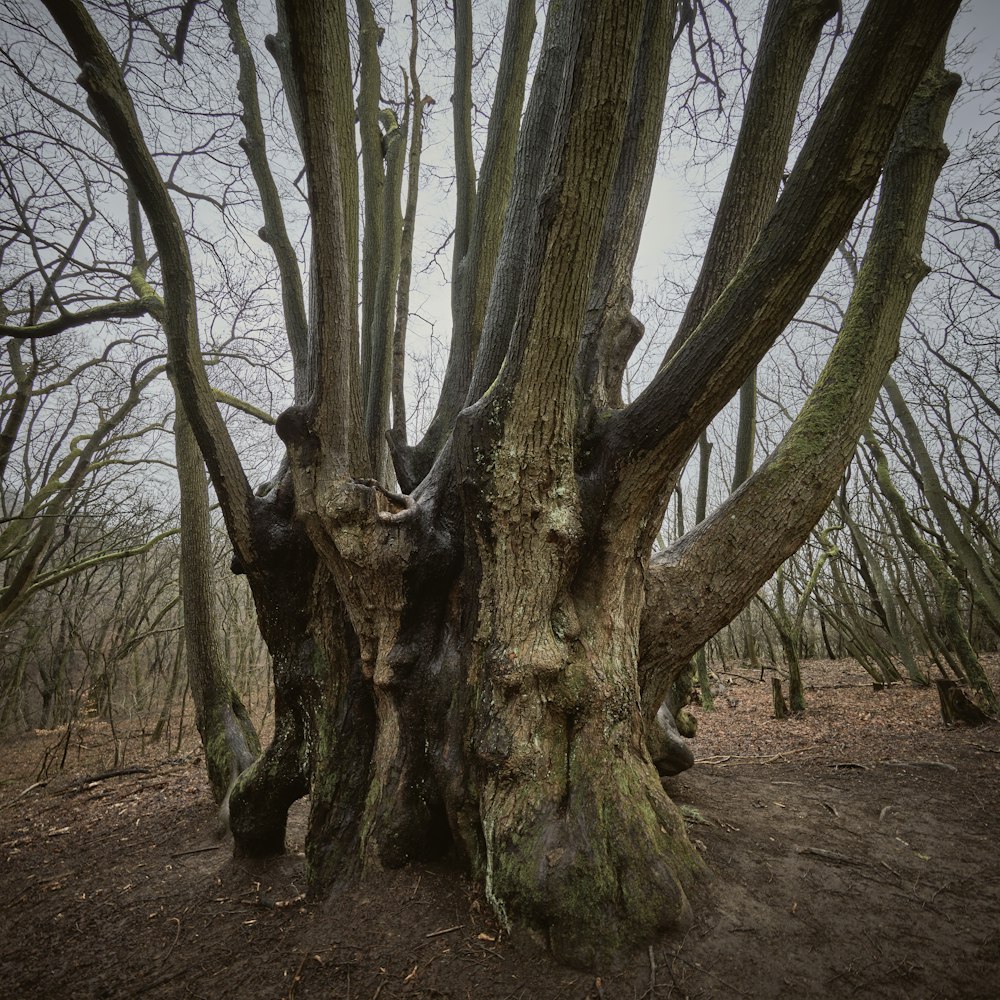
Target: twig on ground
x=297 y=977
x=721 y=760
x=445 y=930
x=173 y=944
x=20 y=795
x=287 y=904
x=832 y=856
x=84 y=783
x=14 y=900
x=196 y=850
x=920 y=763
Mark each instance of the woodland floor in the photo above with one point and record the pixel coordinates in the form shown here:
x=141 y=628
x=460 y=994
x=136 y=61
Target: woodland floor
x=853 y=853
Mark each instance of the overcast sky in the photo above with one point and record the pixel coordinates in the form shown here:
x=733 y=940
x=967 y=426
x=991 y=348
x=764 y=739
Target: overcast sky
x=673 y=207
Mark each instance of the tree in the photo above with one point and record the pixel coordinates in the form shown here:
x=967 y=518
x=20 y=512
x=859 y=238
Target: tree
x=30 y=535
x=475 y=664
x=788 y=624
x=984 y=580
x=945 y=581
x=880 y=595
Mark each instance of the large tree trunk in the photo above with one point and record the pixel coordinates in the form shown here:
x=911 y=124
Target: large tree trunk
x=581 y=841
x=505 y=725
x=497 y=609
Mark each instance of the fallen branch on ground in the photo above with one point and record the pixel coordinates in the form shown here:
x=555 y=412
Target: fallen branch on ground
x=919 y=763
x=21 y=795
x=763 y=758
x=832 y=856
x=196 y=850
x=84 y=783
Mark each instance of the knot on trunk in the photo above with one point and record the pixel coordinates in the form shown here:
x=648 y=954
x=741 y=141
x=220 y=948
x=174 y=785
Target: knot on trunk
x=294 y=427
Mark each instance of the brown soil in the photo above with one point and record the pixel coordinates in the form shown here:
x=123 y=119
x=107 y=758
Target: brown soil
x=853 y=853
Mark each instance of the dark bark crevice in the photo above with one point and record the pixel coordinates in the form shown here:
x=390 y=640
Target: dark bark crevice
x=345 y=725
x=263 y=794
x=282 y=579
x=413 y=681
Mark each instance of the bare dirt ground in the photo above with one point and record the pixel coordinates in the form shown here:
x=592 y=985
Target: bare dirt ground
x=853 y=853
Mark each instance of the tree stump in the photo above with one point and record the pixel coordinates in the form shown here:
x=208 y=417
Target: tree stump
x=780 y=707
x=957 y=706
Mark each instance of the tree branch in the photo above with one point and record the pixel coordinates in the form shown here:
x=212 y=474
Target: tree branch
x=373 y=173
x=57 y=576
x=415 y=108
x=834 y=174
x=692 y=593
x=68 y=321
x=610 y=331
x=320 y=59
x=102 y=79
x=476 y=262
x=54 y=498
x=275 y=232
x=243 y=406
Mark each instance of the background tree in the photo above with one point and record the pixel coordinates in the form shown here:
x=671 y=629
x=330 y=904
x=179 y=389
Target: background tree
x=71 y=431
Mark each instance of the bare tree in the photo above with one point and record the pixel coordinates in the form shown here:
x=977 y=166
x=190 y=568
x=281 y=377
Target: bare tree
x=476 y=664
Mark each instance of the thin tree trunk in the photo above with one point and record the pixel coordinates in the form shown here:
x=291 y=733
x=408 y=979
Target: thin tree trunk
x=168 y=699
x=227 y=734
x=985 y=584
x=948 y=586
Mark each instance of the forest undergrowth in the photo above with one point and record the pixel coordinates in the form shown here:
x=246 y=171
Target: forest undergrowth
x=852 y=852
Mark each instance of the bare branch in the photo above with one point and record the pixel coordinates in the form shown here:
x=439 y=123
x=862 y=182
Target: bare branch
x=69 y=321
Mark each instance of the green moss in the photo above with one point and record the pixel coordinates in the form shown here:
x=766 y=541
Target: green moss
x=219 y=761
x=597 y=875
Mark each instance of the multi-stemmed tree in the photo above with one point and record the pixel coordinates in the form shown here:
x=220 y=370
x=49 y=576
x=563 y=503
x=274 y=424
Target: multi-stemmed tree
x=474 y=664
